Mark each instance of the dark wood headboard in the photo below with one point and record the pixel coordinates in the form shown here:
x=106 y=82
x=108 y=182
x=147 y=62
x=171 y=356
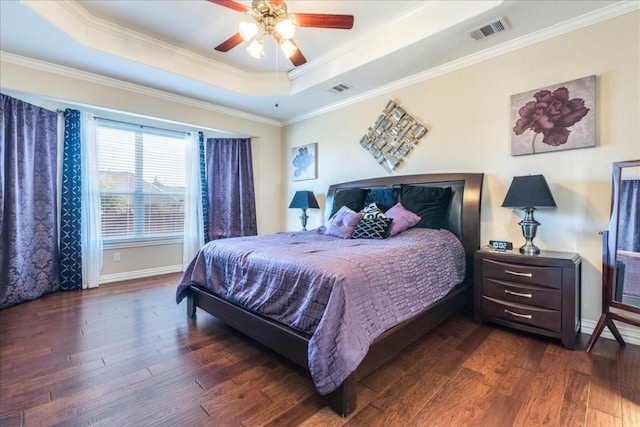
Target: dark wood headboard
x=464 y=209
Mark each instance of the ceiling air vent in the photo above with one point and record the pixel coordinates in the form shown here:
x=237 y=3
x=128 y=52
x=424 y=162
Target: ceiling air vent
x=339 y=88
x=489 y=29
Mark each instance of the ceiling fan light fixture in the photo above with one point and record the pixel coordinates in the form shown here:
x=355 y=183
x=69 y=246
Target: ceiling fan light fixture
x=288 y=48
x=247 y=30
x=286 y=29
x=256 y=48
x=272 y=18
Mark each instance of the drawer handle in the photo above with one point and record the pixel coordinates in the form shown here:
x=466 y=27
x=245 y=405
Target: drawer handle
x=515 y=273
x=526 y=316
x=518 y=294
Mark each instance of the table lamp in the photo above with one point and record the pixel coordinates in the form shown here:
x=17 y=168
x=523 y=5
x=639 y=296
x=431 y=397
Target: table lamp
x=304 y=200
x=529 y=193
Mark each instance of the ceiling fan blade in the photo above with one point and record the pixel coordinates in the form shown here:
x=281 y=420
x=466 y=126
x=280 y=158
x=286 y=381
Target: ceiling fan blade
x=297 y=58
x=322 y=20
x=230 y=43
x=231 y=5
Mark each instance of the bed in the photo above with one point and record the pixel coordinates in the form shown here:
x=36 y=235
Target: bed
x=321 y=337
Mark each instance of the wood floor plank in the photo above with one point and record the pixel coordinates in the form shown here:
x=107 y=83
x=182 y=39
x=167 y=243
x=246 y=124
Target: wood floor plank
x=401 y=403
x=596 y=418
x=576 y=399
x=58 y=410
x=543 y=400
x=125 y=354
x=604 y=394
x=502 y=411
x=629 y=368
x=463 y=400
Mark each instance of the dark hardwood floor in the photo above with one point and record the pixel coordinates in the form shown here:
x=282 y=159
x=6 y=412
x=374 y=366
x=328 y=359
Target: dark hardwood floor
x=125 y=354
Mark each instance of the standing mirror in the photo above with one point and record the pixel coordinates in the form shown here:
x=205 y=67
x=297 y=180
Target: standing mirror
x=621 y=254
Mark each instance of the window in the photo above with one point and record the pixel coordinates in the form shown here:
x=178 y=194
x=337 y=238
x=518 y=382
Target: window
x=142 y=182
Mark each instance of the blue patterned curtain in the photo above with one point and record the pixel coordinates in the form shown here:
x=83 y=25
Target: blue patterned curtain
x=203 y=184
x=232 y=203
x=70 y=263
x=28 y=208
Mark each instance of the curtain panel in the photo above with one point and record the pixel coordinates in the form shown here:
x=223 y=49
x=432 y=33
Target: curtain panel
x=203 y=185
x=193 y=227
x=90 y=222
x=70 y=262
x=28 y=208
x=232 y=205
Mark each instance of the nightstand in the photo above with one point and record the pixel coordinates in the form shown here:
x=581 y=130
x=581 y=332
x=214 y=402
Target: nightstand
x=533 y=293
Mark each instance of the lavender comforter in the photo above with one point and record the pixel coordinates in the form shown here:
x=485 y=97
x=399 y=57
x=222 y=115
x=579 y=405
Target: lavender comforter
x=344 y=292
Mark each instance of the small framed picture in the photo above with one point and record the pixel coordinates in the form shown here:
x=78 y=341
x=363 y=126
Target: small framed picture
x=303 y=162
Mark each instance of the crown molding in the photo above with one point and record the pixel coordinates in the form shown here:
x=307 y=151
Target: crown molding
x=130 y=87
x=114 y=39
x=583 y=21
x=419 y=23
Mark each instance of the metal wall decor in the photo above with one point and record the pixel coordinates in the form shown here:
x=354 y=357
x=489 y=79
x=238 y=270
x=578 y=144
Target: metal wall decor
x=393 y=136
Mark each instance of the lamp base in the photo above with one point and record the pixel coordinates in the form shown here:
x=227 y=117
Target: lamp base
x=303 y=219
x=529 y=249
x=529 y=228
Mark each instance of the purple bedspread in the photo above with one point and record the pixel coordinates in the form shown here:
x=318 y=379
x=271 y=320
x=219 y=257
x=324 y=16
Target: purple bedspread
x=345 y=292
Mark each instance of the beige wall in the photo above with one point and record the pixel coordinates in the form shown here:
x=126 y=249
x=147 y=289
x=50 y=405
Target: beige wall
x=467 y=113
x=61 y=86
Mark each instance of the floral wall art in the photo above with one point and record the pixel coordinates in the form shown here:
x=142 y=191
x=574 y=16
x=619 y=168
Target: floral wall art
x=558 y=117
x=303 y=161
x=393 y=136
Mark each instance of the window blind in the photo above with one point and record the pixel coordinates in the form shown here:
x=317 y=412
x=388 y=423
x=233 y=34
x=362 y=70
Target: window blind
x=142 y=182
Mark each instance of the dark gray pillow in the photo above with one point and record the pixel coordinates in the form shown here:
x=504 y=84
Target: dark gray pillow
x=353 y=198
x=431 y=204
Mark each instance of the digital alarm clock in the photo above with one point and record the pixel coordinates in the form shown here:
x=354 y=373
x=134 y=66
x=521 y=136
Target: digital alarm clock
x=499 y=245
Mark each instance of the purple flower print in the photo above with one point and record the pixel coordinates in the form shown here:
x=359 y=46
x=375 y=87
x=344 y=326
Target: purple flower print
x=551 y=114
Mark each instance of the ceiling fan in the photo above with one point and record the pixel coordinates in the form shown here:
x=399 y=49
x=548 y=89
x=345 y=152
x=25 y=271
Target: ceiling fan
x=270 y=17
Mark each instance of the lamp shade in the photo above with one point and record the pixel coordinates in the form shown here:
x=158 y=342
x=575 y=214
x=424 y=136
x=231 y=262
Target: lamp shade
x=304 y=200
x=529 y=191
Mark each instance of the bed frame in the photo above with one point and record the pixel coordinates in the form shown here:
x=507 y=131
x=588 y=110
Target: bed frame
x=463 y=220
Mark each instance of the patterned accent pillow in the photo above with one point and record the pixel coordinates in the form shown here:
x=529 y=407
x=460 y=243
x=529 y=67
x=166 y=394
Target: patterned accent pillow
x=403 y=219
x=343 y=223
x=372 y=211
x=372 y=228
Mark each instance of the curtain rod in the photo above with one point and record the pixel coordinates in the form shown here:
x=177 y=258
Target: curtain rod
x=143 y=126
x=137 y=125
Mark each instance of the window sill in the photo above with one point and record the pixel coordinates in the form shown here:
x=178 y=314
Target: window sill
x=134 y=243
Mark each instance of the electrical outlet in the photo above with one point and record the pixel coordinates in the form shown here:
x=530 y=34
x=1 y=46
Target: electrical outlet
x=116 y=256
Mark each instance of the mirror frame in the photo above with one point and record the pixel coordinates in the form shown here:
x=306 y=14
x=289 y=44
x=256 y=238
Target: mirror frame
x=613 y=235
x=609 y=258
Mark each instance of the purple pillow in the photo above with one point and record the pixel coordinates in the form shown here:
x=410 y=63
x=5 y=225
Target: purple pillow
x=343 y=223
x=402 y=219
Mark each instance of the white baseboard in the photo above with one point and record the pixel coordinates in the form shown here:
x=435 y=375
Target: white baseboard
x=140 y=274
x=630 y=334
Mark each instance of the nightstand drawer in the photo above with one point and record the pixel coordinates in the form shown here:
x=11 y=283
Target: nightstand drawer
x=540 y=276
x=522 y=293
x=524 y=314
